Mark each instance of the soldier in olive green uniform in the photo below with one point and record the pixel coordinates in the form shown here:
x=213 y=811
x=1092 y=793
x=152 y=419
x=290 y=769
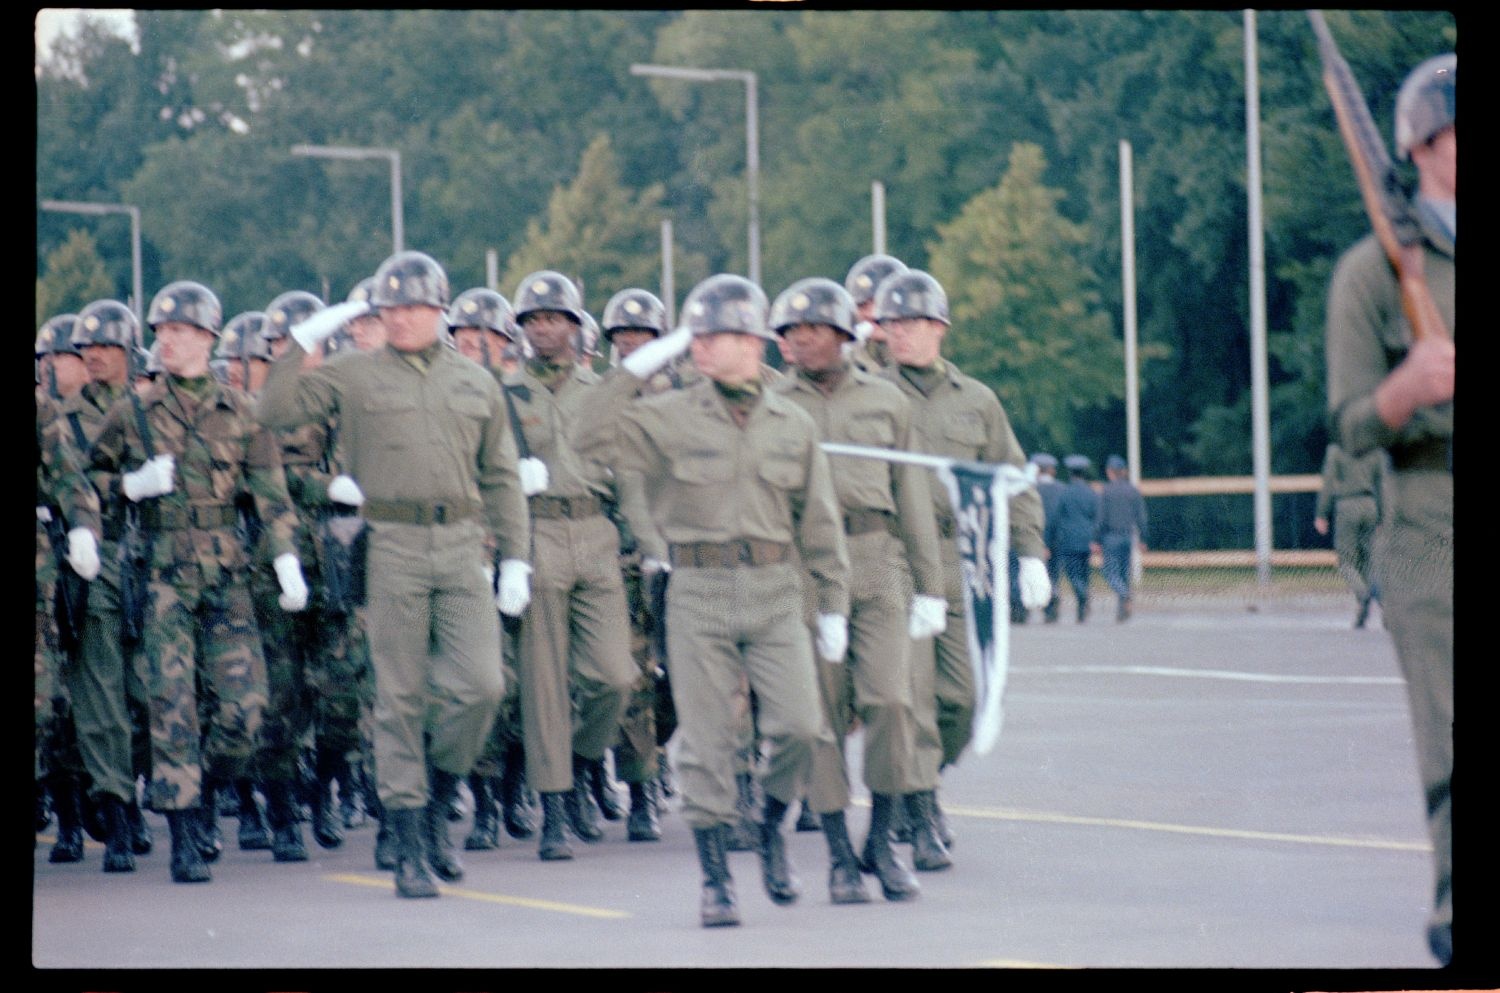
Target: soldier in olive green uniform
x=199 y=452
x=956 y=416
x=1350 y=497
x=869 y=352
x=427 y=441
x=893 y=554
x=738 y=491
x=1389 y=390
x=576 y=670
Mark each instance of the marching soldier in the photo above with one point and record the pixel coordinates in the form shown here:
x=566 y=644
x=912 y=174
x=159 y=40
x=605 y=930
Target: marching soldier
x=738 y=492
x=197 y=450
x=1350 y=498
x=426 y=437
x=869 y=351
x=246 y=350
x=896 y=584
x=957 y=416
x=576 y=670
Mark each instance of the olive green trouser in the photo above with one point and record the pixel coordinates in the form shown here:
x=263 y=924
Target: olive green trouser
x=575 y=667
x=723 y=624
x=943 y=686
x=1354 y=521
x=874 y=681
x=435 y=649
x=1414 y=563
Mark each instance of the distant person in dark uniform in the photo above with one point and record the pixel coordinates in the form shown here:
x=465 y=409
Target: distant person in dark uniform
x=1050 y=491
x=1070 y=532
x=1120 y=525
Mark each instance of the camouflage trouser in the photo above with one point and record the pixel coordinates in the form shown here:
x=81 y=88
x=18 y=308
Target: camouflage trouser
x=47 y=650
x=636 y=751
x=505 y=734
x=202 y=665
x=942 y=688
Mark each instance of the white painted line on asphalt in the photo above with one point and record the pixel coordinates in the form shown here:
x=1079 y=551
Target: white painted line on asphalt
x=1247 y=677
x=384 y=882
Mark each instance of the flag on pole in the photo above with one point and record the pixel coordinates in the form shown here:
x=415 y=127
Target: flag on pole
x=980 y=492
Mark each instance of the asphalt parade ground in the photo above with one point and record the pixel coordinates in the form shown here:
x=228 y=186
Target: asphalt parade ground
x=1211 y=785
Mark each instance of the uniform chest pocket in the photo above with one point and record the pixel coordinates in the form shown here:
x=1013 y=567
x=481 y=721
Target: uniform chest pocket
x=702 y=469
x=783 y=472
x=469 y=405
x=964 y=428
x=388 y=401
x=871 y=429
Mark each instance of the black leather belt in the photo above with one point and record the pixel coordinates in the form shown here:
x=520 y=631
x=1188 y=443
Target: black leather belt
x=418 y=512
x=865 y=520
x=728 y=554
x=947 y=526
x=1431 y=455
x=546 y=505
x=204 y=517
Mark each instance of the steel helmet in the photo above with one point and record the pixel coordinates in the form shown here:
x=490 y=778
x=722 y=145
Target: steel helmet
x=410 y=279
x=1427 y=102
x=244 y=338
x=482 y=307
x=912 y=293
x=56 y=335
x=140 y=363
x=866 y=274
x=107 y=322
x=187 y=302
x=726 y=302
x=588 y=336
x=548 y=290
x=287 y=311
x=814 y=300
x=363 y=291
x=634 y=310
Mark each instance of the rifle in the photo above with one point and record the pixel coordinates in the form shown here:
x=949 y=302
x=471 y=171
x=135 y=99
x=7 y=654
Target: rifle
x=342 y=541
x=70 y=595
x=136 y=543
x=1386 y=203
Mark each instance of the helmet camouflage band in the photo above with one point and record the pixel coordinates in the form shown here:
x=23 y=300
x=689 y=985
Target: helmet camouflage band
x=866 y=274
x=287 y=311
x=910 y=294
x=548 y=290
x=814 y=301
x=186 y=302
x=56 y=335
x=244 y=337
x=482 y=307
x=410 y=279
x=726 y=302
x=106 y=322
x=1427 y=102
x=634 y=310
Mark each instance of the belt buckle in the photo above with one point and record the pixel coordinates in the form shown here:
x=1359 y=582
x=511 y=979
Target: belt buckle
x=567 y=505
x=439 y=514
x=746 y=553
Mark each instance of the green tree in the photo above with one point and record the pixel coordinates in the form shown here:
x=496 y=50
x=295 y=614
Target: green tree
x=1025 y=306
x=74 y=277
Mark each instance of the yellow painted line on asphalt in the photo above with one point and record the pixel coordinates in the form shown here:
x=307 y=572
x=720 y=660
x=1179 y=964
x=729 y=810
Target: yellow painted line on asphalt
x=384 y=882
x=1018 y=964
x=1210 y=832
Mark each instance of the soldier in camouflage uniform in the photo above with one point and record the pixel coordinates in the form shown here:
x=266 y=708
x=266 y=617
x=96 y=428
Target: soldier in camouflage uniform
x=426 y=437
x=869 y=352
x=199 y=452
x=738 y=492
x=576 y=671
x=957 y=416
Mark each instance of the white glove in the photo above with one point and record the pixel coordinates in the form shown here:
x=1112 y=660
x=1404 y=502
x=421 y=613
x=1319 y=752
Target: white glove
x=653 y=355
x=929 y=617
x=83 y=552
x=651 y=566
x=343 y=489
x=326 y=322
x=1036 y=588
x=43 y=514
x=515 y=587
x=534 y=477
x=862 y=332
x=151 y=480
x=489 y=576
x=293 y=586
x=833 y=636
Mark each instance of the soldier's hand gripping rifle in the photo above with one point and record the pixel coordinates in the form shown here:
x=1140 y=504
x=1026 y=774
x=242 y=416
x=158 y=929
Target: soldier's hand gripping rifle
x=1386 y=203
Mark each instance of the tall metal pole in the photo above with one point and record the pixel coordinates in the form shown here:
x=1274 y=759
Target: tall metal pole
x=137 y=304
x=1127 y=254
x=668 y=278
x=492 y=269
x=398 y=224
x=877 y=215
x=398 y=227
x=1259 y=405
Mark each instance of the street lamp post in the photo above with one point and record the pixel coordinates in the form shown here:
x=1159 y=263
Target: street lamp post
x=84 y=207
x=752 y=136
x=347 y=152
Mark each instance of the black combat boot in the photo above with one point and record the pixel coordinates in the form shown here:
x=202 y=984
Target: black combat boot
x=327 y=826
x=408 y=826
x=284 y=813
x=928 y=853
x=896 y=880
x=944 y=831
x=664 y=774
x=513 y=807
x=67 y=805
x=117 y=854
x=187 y=860
x=781 y=882
x=351 y=809
x=554 y=842
x=140 y=831
x=643 y=824
x=583 y=813
x=442 y=790
x=846 y=884
x=255 y=836
x=602 y=786
x=386 y=855
x=43 y=806
x=486 y=832
x=806 y=819
x=744 y=833
x=210 y=838
x=716 y=906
